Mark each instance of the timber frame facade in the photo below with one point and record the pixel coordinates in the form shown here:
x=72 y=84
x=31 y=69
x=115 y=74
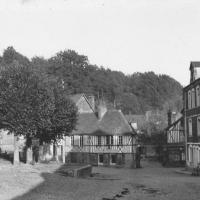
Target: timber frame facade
x=101 y=138
x=174 y=149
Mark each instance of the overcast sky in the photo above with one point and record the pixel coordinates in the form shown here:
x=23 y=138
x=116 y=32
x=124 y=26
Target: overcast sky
x=127 y=35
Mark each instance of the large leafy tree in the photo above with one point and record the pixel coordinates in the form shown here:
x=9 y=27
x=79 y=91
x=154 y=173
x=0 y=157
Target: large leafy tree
x=29 y=108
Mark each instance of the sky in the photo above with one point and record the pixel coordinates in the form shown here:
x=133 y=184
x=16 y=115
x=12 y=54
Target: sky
x=125 y=35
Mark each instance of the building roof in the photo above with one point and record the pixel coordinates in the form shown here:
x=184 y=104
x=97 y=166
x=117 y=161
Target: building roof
x=87 y=124
x=112 y=123
x=174 y=123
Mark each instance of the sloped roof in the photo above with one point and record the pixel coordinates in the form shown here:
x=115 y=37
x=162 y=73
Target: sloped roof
x=87 y=124
x=176 y=122
x=114 y=123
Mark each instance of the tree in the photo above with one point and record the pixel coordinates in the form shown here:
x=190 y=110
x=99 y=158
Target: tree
x=28 y=108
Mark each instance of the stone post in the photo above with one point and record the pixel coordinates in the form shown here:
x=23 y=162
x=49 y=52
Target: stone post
x=63 y=152
x=16 y=151
x=56 y=152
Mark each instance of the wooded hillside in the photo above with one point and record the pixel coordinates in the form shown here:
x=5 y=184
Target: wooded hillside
x=134 y=93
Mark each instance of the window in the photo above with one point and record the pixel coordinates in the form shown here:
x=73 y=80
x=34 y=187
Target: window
x=190 y=127
x=81 y=141
x=100 y=159
x=111 y=140
x=198 y=126
x=120 y=140
x=72 y=140
x=189 y=99
x=113 y=159
x=107 y=140
x=193 y=98
x=99 y=140
x=198 y=96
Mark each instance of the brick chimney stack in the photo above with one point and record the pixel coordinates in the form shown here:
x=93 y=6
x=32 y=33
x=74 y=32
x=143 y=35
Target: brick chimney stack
x=194 y=71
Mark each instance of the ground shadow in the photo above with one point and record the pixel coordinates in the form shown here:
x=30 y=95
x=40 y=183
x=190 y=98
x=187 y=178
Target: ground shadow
x=59 y=185
x=6 y=157
x=55 y=184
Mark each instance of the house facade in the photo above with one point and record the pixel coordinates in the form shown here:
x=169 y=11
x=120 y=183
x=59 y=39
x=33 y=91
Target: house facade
x=174 y=149
x=101 y=138
x=191 y=96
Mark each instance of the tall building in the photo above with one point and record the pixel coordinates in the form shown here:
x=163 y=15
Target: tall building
x=191 y=97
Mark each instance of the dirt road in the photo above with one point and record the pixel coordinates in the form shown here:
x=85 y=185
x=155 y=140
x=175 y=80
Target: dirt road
x=41 y=182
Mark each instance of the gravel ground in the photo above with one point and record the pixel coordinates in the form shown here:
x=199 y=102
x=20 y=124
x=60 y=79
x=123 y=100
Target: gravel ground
x=42 y=182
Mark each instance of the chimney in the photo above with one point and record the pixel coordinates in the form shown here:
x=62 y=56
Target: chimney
x=102 y=109
x=194 y=71
x=91 y=100
x=169 y=115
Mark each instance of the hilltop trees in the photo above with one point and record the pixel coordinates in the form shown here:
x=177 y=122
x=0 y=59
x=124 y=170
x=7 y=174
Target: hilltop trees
x=136 y=93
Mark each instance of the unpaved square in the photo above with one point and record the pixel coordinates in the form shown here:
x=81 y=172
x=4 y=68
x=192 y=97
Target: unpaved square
x=43 y=182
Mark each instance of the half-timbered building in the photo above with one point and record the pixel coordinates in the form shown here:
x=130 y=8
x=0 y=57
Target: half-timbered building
x=174 y=149
x=100 y=138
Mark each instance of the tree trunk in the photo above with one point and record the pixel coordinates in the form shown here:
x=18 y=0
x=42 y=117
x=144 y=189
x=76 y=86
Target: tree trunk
x=16 y=151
